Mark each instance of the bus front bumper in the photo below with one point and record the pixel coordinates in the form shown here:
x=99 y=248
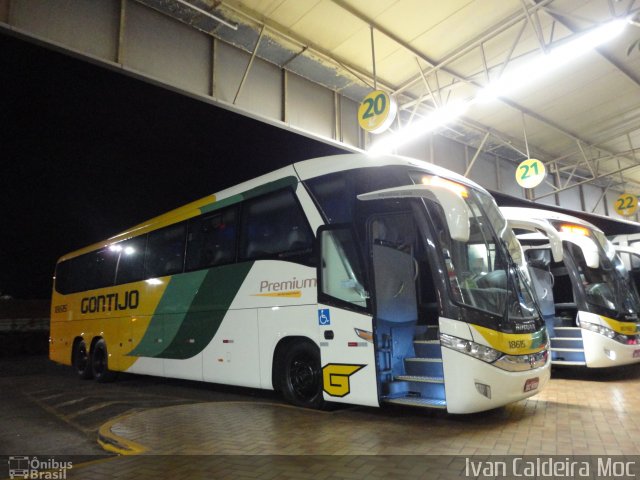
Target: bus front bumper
x=601 y=351
x=472 y=385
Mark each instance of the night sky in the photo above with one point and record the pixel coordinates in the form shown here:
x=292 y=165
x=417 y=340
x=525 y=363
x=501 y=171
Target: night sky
x=87 y=152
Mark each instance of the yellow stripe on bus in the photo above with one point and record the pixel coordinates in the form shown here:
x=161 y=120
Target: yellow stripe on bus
x=512 y=343
x=625 y=328
x=291 y=294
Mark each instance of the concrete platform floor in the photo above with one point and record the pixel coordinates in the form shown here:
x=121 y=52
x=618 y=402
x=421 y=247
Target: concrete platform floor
x=572 y=416
x=580 y=412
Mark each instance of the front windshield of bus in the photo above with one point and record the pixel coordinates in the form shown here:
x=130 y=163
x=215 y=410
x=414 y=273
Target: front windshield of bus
x=482 y=271
x=608 y=286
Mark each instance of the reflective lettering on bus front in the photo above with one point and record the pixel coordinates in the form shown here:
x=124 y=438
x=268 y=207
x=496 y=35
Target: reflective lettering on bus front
x=110 y=302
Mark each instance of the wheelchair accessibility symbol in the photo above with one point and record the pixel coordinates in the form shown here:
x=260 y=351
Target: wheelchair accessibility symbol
x=324 y=318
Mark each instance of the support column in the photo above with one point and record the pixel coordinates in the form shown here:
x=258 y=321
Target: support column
x=212 y=78
x=285 y=90
x=337 y=110
x=120 y=52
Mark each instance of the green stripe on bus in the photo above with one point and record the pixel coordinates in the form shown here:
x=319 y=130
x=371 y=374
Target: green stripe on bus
x=207 y=310
x=169 y=314
x=289 y=181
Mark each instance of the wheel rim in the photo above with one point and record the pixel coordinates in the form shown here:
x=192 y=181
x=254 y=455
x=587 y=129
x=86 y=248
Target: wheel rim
x=304 y=376
x=82 y=359
x=99 y=363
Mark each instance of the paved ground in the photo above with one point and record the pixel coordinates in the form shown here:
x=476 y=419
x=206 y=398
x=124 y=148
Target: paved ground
x=208 y=431
x=47 y=410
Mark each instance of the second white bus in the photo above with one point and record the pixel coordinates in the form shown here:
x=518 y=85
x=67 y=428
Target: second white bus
x=587 y=298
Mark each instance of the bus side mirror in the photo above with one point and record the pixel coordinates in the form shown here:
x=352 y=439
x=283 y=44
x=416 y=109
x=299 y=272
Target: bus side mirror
x=456 y=211
x=587 y=246
x=543 y=227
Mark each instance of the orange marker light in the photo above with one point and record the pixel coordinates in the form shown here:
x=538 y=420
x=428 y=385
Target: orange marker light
x=576 y=229
x=448 y=184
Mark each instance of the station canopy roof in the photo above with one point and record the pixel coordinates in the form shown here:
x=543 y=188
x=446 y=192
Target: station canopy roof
x=581 y=116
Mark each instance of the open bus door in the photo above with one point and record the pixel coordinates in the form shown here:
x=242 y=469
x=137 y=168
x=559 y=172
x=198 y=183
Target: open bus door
x=344 y=320
x=409 y=356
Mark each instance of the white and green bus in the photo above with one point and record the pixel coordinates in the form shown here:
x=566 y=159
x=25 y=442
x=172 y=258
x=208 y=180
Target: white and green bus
x=586 y=295
x=340 y=279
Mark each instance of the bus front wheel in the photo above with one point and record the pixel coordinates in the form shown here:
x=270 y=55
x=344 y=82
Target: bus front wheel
x=100 y=363
x=80 y=360
x=301 y=376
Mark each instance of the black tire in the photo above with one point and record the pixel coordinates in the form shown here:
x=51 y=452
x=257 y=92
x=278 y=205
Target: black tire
x=100 y=363
x=80 y=360
x=301 y=376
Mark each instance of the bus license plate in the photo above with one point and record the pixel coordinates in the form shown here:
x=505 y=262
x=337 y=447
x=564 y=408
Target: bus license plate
x=636 y=354
x=531 y=384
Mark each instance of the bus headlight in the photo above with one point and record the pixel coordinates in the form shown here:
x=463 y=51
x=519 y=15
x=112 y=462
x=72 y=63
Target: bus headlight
x=607 y=332
x=512 y=363
x=481 y=352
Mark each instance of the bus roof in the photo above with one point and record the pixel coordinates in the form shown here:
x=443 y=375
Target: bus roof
x=316 y=167
x=296 y=172
x=548 y=215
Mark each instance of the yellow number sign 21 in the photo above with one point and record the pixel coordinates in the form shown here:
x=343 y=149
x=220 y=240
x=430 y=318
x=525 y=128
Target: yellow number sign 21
x=530 y=173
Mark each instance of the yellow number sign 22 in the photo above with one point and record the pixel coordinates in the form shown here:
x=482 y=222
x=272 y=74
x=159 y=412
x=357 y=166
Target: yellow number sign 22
x=626 y=204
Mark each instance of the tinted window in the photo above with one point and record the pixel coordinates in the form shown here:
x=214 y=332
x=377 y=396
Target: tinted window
x=87 y=272
x=342 y=276
x=165 y=251
x=336 y=193
x=211 y=240
x=131 y=260
x=63 y=277
x=102 y=267
x=69 y=276
x=274 y=226
x=332 y=192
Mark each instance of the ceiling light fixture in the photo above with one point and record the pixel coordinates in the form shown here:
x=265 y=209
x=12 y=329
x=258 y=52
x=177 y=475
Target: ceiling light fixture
x=505 y=85
x=556 y=58
x=437 y=118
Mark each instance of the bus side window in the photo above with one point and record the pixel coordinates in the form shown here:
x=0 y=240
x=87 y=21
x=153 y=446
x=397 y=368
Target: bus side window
x=165 y=251
x=211 y=240
x=70 y=275
x=341 y=274
x=274 y=226
x=103 y=268
x=63 y=277
x=333 y=195
x=131 y=261
x=87 y=272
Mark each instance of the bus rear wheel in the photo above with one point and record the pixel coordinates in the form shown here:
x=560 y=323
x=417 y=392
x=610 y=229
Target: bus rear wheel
x=301 y=380
x=80 y=360
x=100 y=363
